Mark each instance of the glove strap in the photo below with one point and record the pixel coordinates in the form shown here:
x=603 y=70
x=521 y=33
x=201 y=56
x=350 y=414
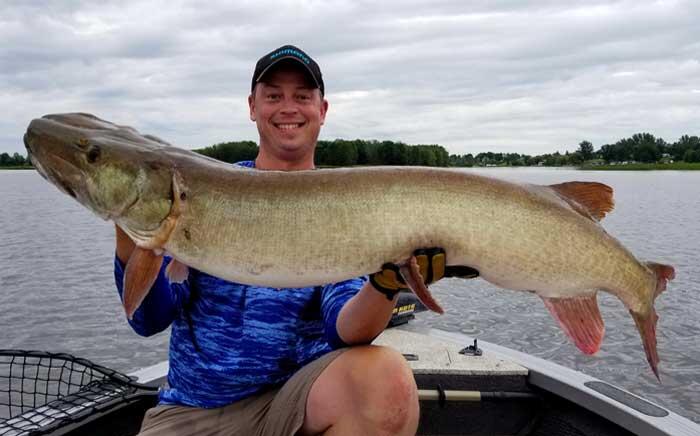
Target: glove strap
x=388 y=293
x=385 y=284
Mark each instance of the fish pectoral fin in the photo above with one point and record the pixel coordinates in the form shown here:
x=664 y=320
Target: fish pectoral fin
x=580 y=319
x=410 y=271
x=595 y=198
x=176 y=271
x=140 y=274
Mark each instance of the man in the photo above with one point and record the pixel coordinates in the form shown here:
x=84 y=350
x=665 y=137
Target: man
x=247 y=360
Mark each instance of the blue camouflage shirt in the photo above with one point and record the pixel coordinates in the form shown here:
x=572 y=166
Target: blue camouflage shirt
x=229 y=340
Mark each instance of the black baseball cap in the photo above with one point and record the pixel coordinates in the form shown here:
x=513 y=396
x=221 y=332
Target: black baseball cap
x=288 y=52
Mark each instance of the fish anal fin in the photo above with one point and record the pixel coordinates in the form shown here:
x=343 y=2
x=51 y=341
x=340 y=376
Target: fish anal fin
x=410 y=271
x=595 y=198
x=140 y=274
x=176 y=271
x=580 y=319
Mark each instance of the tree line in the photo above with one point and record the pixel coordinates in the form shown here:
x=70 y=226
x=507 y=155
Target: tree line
x=640 y=147
x=342 y=152
x=644 y=147
x=16 y=160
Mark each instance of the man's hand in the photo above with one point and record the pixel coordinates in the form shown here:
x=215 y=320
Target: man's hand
x=432 y=266
x=366 y=314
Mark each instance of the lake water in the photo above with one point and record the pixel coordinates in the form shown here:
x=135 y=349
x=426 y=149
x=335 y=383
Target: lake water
x=57 y=289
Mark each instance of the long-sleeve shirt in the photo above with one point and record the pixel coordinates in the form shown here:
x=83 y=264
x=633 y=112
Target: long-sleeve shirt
x=229 y=340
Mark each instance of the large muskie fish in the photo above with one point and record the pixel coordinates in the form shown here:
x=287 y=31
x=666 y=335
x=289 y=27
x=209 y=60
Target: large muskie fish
x=303 y=228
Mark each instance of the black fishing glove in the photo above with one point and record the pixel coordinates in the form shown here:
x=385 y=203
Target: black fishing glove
x=431 y=263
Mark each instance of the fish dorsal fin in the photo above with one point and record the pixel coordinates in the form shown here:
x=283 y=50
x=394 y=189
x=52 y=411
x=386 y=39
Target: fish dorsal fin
x=580 y=319
x=596 y=199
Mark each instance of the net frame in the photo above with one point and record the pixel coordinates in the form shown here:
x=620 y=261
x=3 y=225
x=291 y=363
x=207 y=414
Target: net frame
x=42 y=391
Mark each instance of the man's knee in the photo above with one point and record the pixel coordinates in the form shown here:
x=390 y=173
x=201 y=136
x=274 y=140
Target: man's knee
x=389 y=389
x=368 y=390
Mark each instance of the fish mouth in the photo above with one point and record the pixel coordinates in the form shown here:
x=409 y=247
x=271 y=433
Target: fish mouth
x=26 y=143
x=65 y=187
x=49 y=173
x=30 y=154
x=61 y=181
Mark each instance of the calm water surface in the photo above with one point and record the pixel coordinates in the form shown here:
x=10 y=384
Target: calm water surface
x=57 y=289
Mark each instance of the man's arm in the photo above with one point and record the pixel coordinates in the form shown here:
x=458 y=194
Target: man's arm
x=364 y=316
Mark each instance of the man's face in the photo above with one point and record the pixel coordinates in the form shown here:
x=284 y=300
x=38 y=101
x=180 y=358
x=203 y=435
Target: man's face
x=289 y=112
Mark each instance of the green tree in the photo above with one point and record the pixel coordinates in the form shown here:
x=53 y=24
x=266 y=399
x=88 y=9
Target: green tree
x=363 y=152
x=662 y=146
x=585 y=149
x=393 y=153
x=461 y=160
x=231 y=151
x=645 y=148
x=18 y=159
x=575 y=158
x=679 y=148
x=692 y=156
x=624 y=149
x=607 y=153
x=336 y=153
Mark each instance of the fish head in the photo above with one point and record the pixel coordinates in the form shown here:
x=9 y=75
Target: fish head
x=112 y=170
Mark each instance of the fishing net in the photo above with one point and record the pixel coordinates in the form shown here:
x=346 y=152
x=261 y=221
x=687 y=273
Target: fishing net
x=41 y=392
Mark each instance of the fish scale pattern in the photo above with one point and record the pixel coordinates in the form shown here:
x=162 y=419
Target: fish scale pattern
x=230 y=341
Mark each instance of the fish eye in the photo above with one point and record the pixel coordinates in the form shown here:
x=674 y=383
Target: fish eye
x=83 y=143
x=93 y=154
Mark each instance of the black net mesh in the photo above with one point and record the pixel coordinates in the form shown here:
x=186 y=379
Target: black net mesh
x=40 y=391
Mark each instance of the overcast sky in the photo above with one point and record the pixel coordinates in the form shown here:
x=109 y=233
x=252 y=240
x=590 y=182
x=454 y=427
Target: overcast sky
x=506 y=76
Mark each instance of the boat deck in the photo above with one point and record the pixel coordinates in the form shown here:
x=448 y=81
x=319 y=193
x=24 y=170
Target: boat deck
x=495 y=391
x=474 y=392
x=428 y=355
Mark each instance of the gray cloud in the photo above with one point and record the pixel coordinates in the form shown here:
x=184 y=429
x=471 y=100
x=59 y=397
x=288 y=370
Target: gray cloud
x=516 y=76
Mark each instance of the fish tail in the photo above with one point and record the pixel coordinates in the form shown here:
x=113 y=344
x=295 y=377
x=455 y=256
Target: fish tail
x=646 y=323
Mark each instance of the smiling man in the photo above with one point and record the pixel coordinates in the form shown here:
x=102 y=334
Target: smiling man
x=247 y=360
x=288 y=106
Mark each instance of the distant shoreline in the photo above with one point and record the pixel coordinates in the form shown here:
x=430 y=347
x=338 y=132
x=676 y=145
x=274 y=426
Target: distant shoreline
x=678 y=166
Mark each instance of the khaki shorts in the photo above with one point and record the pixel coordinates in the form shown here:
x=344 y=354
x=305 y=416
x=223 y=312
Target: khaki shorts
x=279 y=412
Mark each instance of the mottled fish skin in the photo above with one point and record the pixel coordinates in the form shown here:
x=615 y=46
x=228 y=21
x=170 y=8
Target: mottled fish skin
x=304 y=228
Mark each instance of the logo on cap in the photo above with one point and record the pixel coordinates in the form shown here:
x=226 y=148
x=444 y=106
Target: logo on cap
x=292 y=52
x=287 y=52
